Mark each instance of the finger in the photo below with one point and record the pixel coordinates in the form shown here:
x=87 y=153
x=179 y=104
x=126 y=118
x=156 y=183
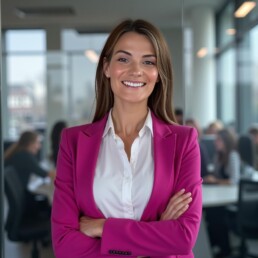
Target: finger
x=173 y=209
x=178 y=198
x=181 y=211
x=179 y=193
x=175 y=215
x=181 y=199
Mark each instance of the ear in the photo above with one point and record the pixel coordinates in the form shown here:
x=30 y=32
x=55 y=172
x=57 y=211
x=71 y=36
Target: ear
x=106 y=67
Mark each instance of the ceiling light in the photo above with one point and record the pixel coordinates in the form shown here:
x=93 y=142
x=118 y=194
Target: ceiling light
x=202 y=52
x=92 y=55
x=244 y=9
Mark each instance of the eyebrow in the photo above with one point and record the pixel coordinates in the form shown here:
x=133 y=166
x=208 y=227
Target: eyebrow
x=129 y=54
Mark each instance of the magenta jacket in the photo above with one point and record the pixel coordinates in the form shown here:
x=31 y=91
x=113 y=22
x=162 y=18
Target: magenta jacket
x=177 y=166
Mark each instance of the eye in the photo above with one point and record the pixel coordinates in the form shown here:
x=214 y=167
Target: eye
x=149 y=62
x=122 y=59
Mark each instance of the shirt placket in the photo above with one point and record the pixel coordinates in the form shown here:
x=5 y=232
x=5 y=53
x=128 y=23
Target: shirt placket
x=128 y=177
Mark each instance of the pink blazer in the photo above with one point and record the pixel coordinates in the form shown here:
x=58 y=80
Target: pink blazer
x=177 y=166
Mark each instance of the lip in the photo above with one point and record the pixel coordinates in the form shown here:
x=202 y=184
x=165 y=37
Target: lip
x=133 y=84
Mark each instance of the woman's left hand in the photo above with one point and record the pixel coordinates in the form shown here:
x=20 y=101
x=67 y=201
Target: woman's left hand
x=91 y=227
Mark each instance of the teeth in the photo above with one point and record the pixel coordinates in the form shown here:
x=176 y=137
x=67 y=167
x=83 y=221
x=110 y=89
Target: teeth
x=133 y=84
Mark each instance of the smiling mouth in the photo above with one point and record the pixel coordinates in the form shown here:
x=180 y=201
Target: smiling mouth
x=133 y=84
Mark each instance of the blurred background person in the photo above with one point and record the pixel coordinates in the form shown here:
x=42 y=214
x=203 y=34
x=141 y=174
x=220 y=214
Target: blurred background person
x=214 y=127
x=227 y=171
x=253 y=131
x=246 y=150
x=227 y=160
x=179 y=113
x=205 y=161
x=22 y=156
x=55 y=137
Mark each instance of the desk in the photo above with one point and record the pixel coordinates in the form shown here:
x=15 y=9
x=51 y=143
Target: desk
x=42 y=186
x=219 y=195
x=213 y=195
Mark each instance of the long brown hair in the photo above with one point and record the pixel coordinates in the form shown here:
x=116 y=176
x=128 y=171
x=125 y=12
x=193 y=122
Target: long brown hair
x=230 y=142
x=25 y=140
x=160 y=101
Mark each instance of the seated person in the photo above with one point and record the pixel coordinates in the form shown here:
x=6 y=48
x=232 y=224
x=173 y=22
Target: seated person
x=227 y=171
x=214 y=127
x=246 y=150
x=253 y=131
x=22 y=156
x=203 y=151
x=227 y=160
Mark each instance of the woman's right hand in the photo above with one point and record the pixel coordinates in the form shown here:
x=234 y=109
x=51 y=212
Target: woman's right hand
x=177 y=205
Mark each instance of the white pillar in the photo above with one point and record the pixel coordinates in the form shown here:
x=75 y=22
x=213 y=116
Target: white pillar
x=57 y=92
x=201 y=95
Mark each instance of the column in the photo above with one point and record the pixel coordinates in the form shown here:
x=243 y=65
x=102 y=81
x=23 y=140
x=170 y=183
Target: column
x=201 y=94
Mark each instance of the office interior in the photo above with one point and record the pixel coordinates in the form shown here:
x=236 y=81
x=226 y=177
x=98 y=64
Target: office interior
x=50 y=51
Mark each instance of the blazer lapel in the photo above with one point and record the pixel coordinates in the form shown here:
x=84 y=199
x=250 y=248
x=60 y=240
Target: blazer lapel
x=164 y=152
x=88 y=145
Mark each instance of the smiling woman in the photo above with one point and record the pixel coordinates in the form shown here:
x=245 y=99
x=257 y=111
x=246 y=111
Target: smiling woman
x=129 y=183
x=132 y=69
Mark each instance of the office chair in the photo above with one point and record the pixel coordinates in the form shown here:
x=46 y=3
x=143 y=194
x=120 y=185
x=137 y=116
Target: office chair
x=19 y=226
x=247 y=215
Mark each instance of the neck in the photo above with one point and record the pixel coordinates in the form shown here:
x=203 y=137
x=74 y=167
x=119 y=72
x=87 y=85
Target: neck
x=129 y=121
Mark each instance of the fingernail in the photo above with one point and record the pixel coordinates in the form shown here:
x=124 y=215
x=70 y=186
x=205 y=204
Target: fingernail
x=183 y=190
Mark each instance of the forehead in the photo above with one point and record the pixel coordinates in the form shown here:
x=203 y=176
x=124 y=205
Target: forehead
x=135 y=41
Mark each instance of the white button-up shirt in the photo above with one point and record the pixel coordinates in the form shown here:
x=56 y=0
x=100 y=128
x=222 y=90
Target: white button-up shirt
x=122 y=188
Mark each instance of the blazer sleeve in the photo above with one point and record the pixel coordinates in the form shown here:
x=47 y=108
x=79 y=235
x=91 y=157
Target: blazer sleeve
x=161 y=238
x=67 y=240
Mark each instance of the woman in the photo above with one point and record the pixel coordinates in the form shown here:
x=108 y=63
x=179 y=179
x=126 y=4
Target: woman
x=121 y=180
x=227 y=172
x=22 y=156
x=227 y=163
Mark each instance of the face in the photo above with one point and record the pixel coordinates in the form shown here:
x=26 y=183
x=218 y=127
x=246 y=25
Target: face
x=219 y=144
x=35 y=146
x=132 y=69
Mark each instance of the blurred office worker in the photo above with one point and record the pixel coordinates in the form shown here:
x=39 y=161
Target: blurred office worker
x=22 y=156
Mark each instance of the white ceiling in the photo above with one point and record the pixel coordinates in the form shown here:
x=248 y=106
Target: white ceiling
x=101 y=14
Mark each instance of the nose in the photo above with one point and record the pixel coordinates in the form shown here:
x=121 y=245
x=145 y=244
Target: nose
x=136 y=69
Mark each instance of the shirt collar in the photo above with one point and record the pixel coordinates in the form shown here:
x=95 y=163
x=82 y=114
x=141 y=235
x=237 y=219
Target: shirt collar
x=147 y=125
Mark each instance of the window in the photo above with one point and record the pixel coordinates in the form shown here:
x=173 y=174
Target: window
x=24 y=61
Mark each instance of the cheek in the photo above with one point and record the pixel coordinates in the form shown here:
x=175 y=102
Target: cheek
x=116 y=70
x=154 y=75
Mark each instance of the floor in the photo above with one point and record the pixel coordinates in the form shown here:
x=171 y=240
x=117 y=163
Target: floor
x=18 y=250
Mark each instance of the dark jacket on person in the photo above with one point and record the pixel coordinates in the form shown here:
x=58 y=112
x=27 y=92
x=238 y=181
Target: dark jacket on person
x=25 y=164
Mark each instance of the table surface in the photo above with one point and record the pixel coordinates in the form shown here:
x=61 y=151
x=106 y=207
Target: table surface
x=218 y=195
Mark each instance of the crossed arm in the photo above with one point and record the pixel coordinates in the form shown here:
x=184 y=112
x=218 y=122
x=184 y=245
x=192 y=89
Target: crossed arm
x=177 y=205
